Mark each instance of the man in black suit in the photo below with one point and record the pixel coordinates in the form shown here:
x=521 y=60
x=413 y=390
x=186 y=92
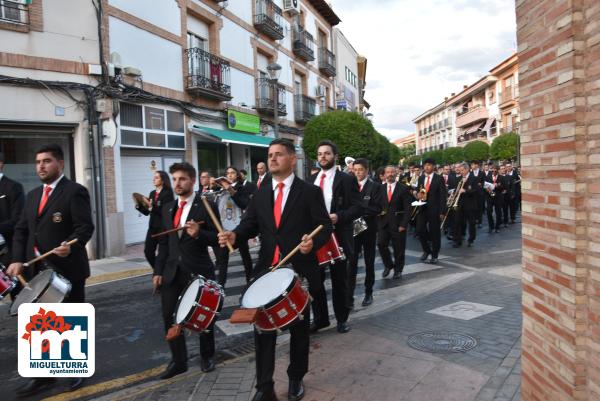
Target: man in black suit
x=370 y=195
x=480 y=176
x=261 y=170
x=466 y=213
x=342 y=199
x=507 y=195
x=12 y=199
x=515 y=193
x=431 y=214
x=393 y=222
x=182 y=256
x=495 y=198
x=54 y=213
x=283 y=211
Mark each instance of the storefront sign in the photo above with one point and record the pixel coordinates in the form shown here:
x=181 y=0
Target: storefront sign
x=243 y=122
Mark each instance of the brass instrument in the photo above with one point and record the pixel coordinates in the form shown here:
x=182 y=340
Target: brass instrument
x=414 y=180
x=416 y=209
x=452 y=202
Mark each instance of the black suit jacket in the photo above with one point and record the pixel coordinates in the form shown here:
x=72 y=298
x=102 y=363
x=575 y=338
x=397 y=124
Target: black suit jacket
x=345 y=202
x=502 y=183
x=371 y=202
x=243 y=194
x=396 y=213
x=164 y=196
x=468 y=201
x=452 y=181
x=304 y=210
x=187 y=253
x=66 y=215
x=12 y=200
x=436 y=197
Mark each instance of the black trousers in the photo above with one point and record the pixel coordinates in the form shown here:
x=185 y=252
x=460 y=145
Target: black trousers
x=398 y=240
x=513 y=206
x=428 y=230
x=223 y=262
x=169 y=295
x=464 y=219
x=494 y=206
x=151 y=245
x=480 y=207
x=77 y=293
x=365 y=241
x=505 y=208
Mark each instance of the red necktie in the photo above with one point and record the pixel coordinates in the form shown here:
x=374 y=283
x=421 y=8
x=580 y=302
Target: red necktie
x=277 y=216
x=178 y=214
x=47 y=190
x=446 y=179
x=322 y=181
x=494 y=178
x=427 y=183
x=156 y=196
x=389 y=193
x=258 y=183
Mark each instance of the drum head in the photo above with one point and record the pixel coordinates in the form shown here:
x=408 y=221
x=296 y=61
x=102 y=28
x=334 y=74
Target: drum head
x=267 y=288
x=37 y=286
x=187 y=300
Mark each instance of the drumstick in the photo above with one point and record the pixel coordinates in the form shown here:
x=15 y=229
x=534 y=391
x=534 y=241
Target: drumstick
x=22 y=280
x=297 y=248
x=215 y=221
x=44 y=256
x=172 y=230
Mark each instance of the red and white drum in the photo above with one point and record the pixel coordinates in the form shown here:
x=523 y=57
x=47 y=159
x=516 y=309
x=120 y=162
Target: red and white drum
x=199 y=304
x=7 y=283
x=279 y=297
x=330 y=252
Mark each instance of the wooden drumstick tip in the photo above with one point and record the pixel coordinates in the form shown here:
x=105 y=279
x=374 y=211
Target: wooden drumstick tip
x=22 y=280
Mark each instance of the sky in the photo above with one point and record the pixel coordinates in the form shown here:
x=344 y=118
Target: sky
x=420 y=51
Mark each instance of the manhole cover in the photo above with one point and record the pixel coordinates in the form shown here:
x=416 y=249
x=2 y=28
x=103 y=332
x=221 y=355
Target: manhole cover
x=441 y=342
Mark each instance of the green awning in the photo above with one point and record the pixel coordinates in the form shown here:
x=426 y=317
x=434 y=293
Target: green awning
x=221 y=135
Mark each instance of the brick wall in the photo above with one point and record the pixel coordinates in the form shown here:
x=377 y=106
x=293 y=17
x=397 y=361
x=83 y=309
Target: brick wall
x=559 y=58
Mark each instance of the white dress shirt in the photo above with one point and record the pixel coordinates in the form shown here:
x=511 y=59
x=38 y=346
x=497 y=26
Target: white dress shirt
x=186 y=209
x=327 y=185
x=361 y=184
x=287 y=185
x=387 y=188
x=51 y=185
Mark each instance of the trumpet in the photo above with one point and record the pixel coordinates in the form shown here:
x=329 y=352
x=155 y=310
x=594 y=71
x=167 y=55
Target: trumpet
x=452 y=203
x=415 y=210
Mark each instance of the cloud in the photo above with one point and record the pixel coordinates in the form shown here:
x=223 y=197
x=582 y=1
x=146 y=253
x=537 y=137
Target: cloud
x=419 y=51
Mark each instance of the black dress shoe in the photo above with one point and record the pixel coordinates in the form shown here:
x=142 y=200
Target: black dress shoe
x=295 y=390
x=397 y=274
x=343 y=327
x=424 y=256
x=76 y=383
x=314 y=326
x=368 y=300
x=207 y=365
x=264 y=395
x=386 y=272
x=36 y=385
x=433 y=261
x=173 y=369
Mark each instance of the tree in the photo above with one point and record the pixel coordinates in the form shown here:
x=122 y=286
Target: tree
x=414 y=159
x=454 y=155
x=505 y=147
x=477 y=150
x=407 y=151
x=437 y=155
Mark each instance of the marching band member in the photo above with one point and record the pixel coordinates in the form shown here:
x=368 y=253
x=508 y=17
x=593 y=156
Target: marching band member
x=430 y=216
x=393 y=222
x=261 y=169
x=480 y=175
x=467 y=209
x=495 y=198
x=515 y=193
x=370 y=195
x=506 y=197
x=54 y=213
x=183 y=254
x=273 y=214
x=342 y=201
x=12 y=199
x=161 y=195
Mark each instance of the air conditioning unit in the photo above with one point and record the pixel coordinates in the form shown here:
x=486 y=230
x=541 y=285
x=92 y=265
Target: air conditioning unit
x=291 y=7
x=320 y=91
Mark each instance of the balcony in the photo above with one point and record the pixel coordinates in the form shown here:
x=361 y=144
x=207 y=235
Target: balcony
x=303 y=44
x=265 y=99
x=326 y=62
x=268 y=19
x=208 y=75
x=508 y=97
x=469 y=116
x=14 y=12
x=304 y=108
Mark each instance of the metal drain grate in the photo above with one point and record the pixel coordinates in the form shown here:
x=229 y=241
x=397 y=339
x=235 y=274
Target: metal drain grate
x=442 y=342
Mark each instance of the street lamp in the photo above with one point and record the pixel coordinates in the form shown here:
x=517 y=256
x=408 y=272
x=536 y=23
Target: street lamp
x=274 y=71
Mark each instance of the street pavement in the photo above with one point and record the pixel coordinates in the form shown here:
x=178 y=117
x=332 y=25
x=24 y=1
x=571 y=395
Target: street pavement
x=471 y=299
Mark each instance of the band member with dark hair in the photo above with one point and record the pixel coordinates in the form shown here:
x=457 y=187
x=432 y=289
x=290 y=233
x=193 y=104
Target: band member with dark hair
x=495 y=198
x=379 y=175
x=515 y=193
x=342 y=200
x=240 y=196
x=393 y=222
x=12 y=199
x=506 y=196
x=205 y=182
x=272 y=214
x=480 y=175
x=161 y=195
x=184 y=254
x=467 y=210
x=431 y=188
x=56 y=212
x=370 y=195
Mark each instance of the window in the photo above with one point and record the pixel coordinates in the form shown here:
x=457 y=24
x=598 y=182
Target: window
x=145 y=126
x=13 y=11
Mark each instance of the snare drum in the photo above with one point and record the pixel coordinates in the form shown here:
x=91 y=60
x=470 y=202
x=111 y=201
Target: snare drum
x=330 y=252
x=199 y=304
x=47 y=287
x=7 y=283
x=279 y=297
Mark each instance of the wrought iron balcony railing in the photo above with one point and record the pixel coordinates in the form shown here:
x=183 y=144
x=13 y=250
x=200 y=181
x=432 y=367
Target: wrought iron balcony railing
x=304 y=108
x=303 y=44
x=327 y=62
x=268 y=19
x=208 y=75
x=265 y=97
